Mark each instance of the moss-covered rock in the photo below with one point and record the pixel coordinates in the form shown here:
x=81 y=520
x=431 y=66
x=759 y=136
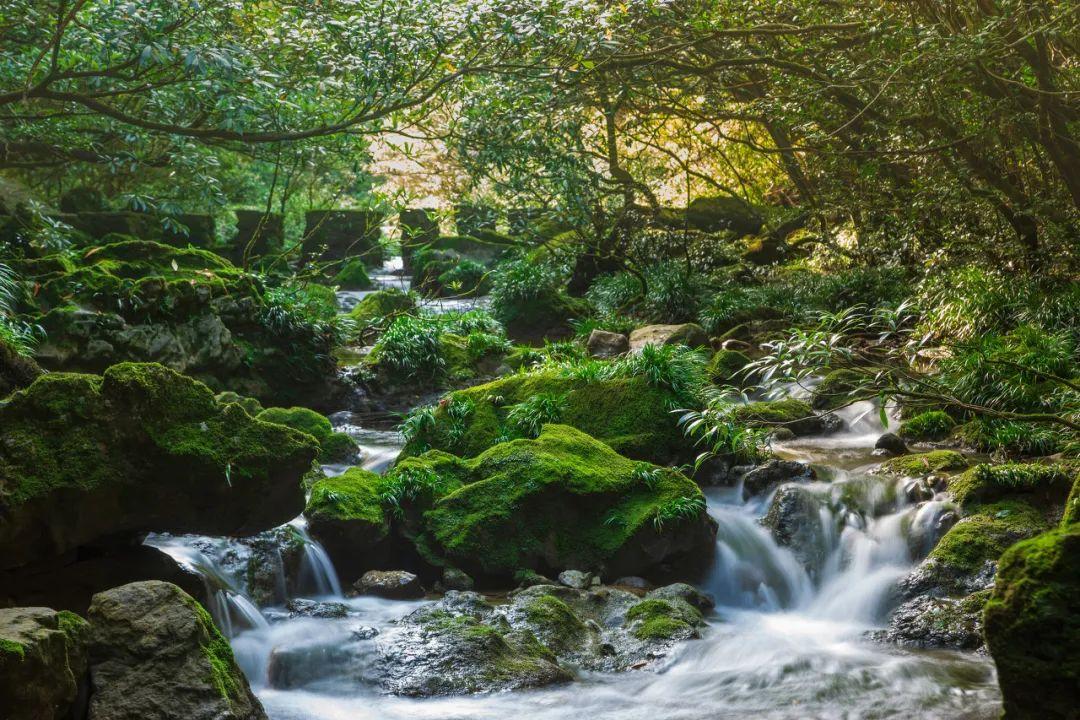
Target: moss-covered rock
x=718 y=213
x=663 y=620
x=381 y=306
x=353 y=275
x=983 y=535
x=253 y=406
x=347 y=515
x=689 y=334
x=42 y=663
x=1032 y=626
x=1071 y=513
x=629 y=414
x=16 y=370
x=562 y=500
x=1039 y=485
x=141 y=448
x=927 y=426
x=795 y=415
x=155 y=653
x=837 y=389
x=726 y=367
x=336 y=447
x=921 y=464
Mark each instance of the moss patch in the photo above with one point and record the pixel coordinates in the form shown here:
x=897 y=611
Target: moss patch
x=930 y=425
x=379 y=307
x=921 y=464
x=655 y=619
x=985 y=534
x=336 y=447
x=1042 y=485
x=725 y=367
x=353 y=276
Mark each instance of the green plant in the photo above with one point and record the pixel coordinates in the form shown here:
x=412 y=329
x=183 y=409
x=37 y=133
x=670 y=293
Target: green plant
x=716 y=429
x=409 y=485
x=678 y=510
x=417 y=424
x=529 y=417
x=411 y=346
x=676 y=367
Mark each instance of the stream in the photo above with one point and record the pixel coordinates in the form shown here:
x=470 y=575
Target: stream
x=783 y=642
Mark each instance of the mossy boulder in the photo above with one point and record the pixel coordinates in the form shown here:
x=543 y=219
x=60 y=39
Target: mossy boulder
x=837 y=389
x=42 y=663
x=140 y=448
x=1032 y=626
x=336 y=447
x=983 y=535
x=629 y=414
x=1039 y=485
x=347 y=515
x=252 y=405
x=927 y=426
x=795 y=415
x=563 y=500
x=726 y=368
x=689 y=334
x=922 y=464
x=156 y=654
x=722 y=212
x=353 y=275
x=16 y=370
x=380 y=306
x=657 y=619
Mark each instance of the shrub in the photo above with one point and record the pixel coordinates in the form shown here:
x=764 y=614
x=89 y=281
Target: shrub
x=530 y=416
x=930 y=425
x=411 y=346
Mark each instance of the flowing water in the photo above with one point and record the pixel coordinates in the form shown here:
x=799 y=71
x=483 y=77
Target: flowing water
x=786 y=641
x=391 y=276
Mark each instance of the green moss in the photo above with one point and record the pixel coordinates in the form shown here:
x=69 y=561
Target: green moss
x=377 y=308
x=354 y=495
x=1038 y=484
x=1072 y=504
x=336 y=447
x=10 y=647
x=71 y=624
x=930 y=425
x=837 y=389
x=555 y=622
x=353 y=276
x=253 y=406
x=562 y=500
x=628 y=414
x=1032 y=625
x=655 y=619
x=219 y=655
x=921 y=464
x=725 y=367
x=772 y=412
x=985 y=534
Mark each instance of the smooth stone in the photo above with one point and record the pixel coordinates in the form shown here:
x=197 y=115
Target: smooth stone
x=391 y=584
x=604 y=344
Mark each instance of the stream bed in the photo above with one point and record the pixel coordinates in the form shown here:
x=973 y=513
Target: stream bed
x=783 y=641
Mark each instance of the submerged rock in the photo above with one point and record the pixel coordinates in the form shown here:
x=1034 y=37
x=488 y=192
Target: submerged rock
x=141 y=448
x=797 y=520
x=42 y=664
x=457 y=646
x=155 y=655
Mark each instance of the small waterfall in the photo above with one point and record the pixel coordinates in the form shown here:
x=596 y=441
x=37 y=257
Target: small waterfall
x=316 y=570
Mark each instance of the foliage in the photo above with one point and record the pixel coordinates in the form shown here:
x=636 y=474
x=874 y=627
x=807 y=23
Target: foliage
x=411 y=346
x=719 y=430
x=18 y=334
x=529 y=416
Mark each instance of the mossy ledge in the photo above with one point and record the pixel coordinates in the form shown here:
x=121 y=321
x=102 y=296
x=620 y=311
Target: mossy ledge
x=140 y=448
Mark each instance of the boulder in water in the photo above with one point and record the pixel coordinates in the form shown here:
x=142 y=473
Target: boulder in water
x=392 y=584
x=1032 y=625
x=891 y=443
x=454 y=579
x=923 y=464
x=335 y=447
x=346 y=514
x=763 y=478
x=932 y=622
x=42 y=664
x=576 y=579
x=796 y=521
x=685 y=592
x=141 y=448
x=155 y=655
x=604 y=344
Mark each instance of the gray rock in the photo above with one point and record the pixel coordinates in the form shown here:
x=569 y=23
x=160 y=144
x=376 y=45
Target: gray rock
x=930 y=622
x=604 y=344
x=688 y=334
x=156 y=655
x=576 y=579
x=687 y=593
x=301 y=607
x=392 y=584
x=764 y=478
x=795 y=521
x=633 y=582
x=42 y=663
x=454 y=579
x=891 y=443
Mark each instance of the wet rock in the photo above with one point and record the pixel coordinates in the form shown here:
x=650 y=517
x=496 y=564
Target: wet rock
x=932 y=622
x=528 y=578
x=16 y=371
x=363 y=632
x=390 y=584
x=155 y=655
x=795 y=521
x=458 y=646
x=687 y=593
x=295 y=665
x=764 y=478
x=688 y=334
x=454 y=579
x=42 y=664
x=604 y=344
x=138 y=449
x=272 y=570
x=301 y=607
x=891 y=443
x=576 y=579
x=633 y=583
x=917 y=491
